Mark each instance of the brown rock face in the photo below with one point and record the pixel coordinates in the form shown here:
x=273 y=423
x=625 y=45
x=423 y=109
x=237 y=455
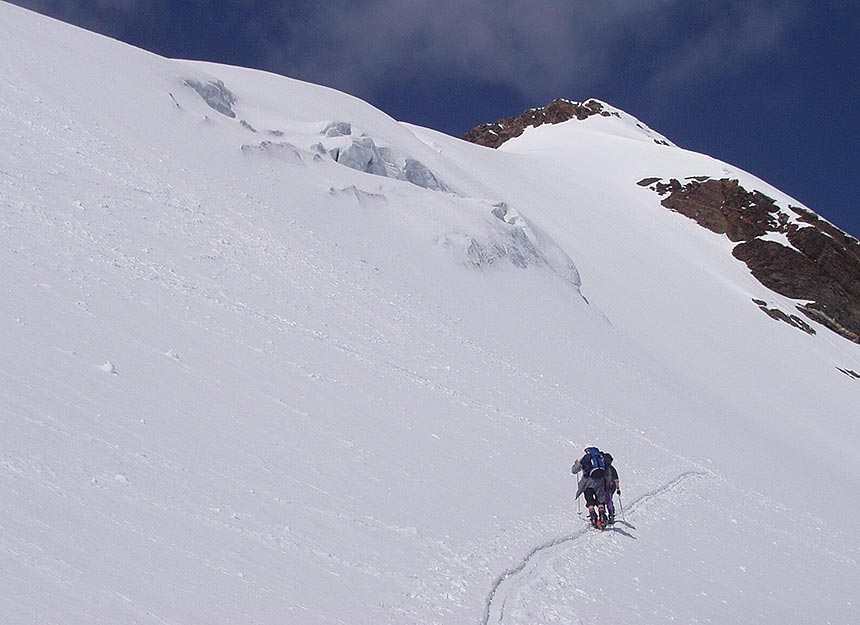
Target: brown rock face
x=792 y=320
x=822 y=266
x=722 y=206
x=557 y=111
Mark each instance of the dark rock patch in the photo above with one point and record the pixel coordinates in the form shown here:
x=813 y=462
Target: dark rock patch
x=821 y=265
x=820 y=312
x=779 y=315
x=722 y=206
x=779 y=268
x=557 y=111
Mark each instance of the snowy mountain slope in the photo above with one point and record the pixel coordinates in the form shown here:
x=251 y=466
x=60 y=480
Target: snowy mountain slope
x=664 y=281
x=246 y=381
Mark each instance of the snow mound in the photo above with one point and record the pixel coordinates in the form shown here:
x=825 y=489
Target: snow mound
x=363 y=154
x=215 y=94
x=506 y=235
x=280 y=150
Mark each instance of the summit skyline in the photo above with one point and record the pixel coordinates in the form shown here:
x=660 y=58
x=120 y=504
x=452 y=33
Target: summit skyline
x=768 y=85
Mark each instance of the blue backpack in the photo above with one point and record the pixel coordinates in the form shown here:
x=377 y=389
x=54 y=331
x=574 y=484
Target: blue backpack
x=593 y=463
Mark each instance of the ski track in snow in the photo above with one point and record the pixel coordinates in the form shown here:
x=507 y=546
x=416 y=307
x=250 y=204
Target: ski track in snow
x=509 y=580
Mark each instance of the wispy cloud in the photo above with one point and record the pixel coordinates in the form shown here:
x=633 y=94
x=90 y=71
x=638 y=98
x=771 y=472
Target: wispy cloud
x=724 y=43
x=531 y=45
x=539 y=48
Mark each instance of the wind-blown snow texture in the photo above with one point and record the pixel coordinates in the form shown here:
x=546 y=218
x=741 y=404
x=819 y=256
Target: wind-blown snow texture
x=245 y=382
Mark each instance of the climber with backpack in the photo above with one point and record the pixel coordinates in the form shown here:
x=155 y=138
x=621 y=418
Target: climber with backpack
x=613 y=485
x=592 y=484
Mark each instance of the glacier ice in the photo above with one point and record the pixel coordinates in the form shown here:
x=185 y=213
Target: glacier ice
x=215 y=94
x=415 y=172
x=337 y=129
x=362 y=155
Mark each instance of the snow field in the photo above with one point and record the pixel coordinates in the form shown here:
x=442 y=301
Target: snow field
x=260 y=387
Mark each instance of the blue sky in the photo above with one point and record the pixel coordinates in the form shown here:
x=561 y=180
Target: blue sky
x=768 y=85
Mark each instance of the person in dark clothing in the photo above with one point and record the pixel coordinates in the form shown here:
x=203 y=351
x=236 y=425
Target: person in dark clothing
x=592 y=484
x=613 y=485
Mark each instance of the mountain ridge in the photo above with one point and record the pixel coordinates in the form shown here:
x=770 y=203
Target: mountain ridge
x=560 y=110
x=822 y=270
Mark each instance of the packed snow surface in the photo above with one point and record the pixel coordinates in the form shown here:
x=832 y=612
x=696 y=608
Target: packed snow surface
x=272 y=357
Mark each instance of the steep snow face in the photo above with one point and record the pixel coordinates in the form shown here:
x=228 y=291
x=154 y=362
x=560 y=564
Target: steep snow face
x=684 y=296
x=621 y=123
x=245 y=381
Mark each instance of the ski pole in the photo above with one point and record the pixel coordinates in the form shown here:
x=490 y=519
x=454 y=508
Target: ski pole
x=621 y=507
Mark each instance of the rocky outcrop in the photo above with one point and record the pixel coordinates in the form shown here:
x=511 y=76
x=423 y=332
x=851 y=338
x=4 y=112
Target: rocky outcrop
x=557 y=111
x=850 y=373
x=779 y=315
x=792 y=252
x=722 y=206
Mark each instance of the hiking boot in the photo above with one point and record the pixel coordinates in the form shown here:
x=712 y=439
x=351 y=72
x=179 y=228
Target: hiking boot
x=592 y=516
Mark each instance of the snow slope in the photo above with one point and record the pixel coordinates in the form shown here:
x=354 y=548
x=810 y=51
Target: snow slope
x=259 y=369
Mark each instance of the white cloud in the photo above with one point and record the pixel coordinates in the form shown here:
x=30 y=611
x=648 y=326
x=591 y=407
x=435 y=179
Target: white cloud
x=540 y=48
x=725 y=45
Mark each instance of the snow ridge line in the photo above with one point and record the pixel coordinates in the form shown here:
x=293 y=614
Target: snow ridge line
x=513 y=572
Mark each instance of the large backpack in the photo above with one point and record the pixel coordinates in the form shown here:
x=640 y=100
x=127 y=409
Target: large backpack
x=593 y=463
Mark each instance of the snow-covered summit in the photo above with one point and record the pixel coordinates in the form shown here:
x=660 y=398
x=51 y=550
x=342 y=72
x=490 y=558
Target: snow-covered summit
x=271 y=356
x=600 y=117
